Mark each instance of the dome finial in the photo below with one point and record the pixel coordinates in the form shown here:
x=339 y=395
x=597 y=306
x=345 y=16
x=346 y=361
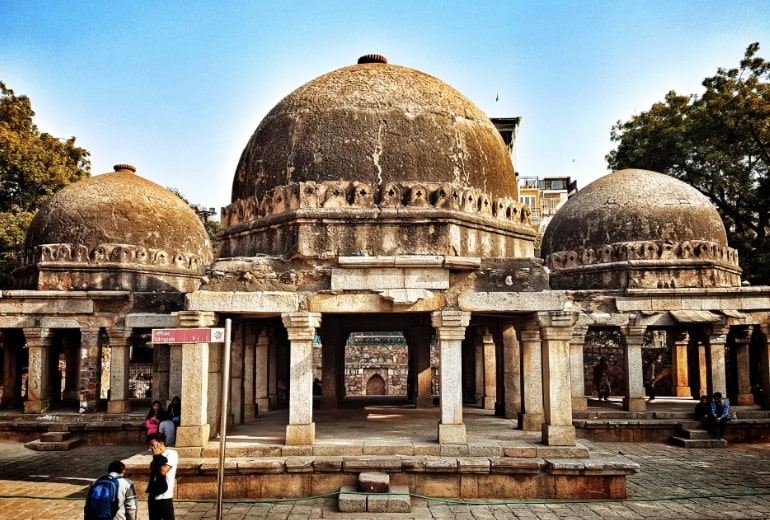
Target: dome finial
x=372 y=58
x=125 y=167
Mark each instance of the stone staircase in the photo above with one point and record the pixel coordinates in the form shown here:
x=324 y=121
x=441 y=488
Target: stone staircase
x=374 y=494
x=691 y=435
x=59 y=439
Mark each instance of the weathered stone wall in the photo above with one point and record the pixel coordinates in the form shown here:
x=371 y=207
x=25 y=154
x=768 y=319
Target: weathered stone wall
x=388 y=361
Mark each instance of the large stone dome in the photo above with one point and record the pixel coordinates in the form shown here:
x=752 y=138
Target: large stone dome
x=117 y=221
x=375 y=159
x=376 y=123
x=633 y=218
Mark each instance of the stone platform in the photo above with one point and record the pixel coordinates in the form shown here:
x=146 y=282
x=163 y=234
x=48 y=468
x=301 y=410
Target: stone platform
x=497 y=461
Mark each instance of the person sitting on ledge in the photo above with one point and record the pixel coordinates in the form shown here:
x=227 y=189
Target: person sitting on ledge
x=703 y=410
x=720 y=415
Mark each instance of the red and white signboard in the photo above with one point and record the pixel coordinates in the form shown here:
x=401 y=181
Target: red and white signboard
x=207 y=335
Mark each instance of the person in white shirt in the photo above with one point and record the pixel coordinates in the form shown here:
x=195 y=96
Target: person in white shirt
x=160 y=491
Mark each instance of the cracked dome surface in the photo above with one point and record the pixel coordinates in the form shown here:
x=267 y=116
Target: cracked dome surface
x=119 y=208
x=375 y=123
x=629 y=206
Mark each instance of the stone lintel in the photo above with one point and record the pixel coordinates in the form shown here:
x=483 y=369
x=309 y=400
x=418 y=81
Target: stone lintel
x=60 y=305
x=59 y=323
x=150 y=321
x=267 y=302
x=512 y=301
x=17 y=321
x=27 y=294
x=371 y=303
x=389 y=278
x=369 y=262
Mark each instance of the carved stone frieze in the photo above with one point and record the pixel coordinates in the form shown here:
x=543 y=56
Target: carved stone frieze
x=698 y=250
x=360 y=195
x=112 y=255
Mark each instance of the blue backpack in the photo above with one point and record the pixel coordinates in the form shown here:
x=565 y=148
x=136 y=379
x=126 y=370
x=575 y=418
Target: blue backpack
x=102 y=502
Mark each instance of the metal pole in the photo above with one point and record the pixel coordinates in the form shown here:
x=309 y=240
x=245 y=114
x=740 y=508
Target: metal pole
x=223 y=424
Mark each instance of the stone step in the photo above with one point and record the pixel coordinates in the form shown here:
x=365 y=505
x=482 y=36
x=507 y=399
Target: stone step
x=698 y=443
x=397 y=500
x=55 y=436
x=695 y=433
x=65 y=445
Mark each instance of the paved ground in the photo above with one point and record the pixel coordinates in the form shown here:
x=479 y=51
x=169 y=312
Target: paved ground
x=673 y=483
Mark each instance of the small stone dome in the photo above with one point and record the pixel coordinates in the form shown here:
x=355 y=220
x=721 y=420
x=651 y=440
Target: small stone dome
x=119 y=220
x=637 y=228
x=631 y=205
x=375 y=123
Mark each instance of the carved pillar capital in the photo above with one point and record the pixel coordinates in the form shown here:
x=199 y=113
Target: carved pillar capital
x=195 y=319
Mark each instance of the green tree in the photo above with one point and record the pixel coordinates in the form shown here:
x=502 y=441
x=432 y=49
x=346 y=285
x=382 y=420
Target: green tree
x=33 y=166
x=718 y=142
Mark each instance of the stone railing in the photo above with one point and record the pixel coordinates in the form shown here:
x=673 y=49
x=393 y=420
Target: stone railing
x=357 y=195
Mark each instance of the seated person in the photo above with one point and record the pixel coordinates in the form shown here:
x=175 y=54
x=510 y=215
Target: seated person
x=703 y=410
x=720 y=414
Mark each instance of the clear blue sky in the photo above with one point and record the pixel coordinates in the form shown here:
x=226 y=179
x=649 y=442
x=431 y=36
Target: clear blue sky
x=177 y=88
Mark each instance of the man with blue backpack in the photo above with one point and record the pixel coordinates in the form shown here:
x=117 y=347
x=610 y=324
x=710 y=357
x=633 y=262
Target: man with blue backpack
x=112 y=497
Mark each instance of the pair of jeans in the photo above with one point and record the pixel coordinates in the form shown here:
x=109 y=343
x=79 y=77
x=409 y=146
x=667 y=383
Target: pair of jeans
x=160 y=509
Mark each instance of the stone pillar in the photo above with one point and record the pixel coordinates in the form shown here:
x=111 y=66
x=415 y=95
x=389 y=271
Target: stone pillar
x=450 y=331
x=764 y=360
x=677 y=341
x=703 y=364
x=11 y=375
x=634 y=399
x=161 y=364
x=72 y=383
x=490 y=371
x=236 y=373
x=119 y=370
x=511 y=372
x=576 y=376
x=175 y=371
x=90 y=375
x=249 y=389
x=555 y=331
x=38 y=384
x=478 y=365
x=716 y=371
x=301 y=328
x=418 y=339
x=333 y=339
x=743 y=369
x=194 y=429
x=272 y=370
x=532 y=417
x=261 y=378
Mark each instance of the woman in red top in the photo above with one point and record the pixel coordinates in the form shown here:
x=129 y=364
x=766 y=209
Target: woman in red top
x=153 y=419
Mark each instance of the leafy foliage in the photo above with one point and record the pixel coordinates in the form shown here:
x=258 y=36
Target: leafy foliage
x=33 y=166
x=719 y=143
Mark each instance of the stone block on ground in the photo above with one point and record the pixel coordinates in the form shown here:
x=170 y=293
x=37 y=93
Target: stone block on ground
x=373 y=482
x=350 y=501
x=397 y=501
